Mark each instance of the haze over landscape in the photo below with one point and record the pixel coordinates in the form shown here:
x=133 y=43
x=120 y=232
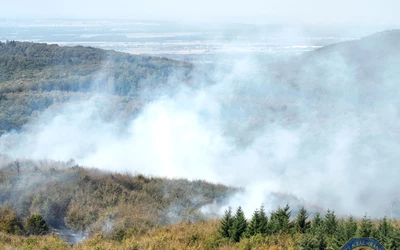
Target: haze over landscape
x=372 y=12
x=178 y=110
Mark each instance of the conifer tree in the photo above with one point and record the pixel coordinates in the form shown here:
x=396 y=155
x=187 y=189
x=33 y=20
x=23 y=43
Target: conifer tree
x=321 y=242
x=340 y=238
x=366 y=228
x=239 y=225
x=302 y=225
x=280 y=220
x=330 y=223
x=226 y=223
x=394 y=241
x=263 y=229
x=317 y=224
x=254 y=224
x=258 y=223
x=349 y=229
x=384 y=232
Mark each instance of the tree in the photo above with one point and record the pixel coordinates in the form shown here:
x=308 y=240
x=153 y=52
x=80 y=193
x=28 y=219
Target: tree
x=384 y=232
x=10 y=222
x=263 y=227
x=36 y=225
x=394 y=242
x=302 y=225
x=239 y=225
x=280 y=220
x=258 y=223
x=254 y=224
x=226 y=223
x=350 y=228
x=321 y=242
x=331 y=223
x=366 y=227
x=339 y=239
x=317 y=224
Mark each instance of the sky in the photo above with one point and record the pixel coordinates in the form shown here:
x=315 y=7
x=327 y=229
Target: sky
x=380 y=12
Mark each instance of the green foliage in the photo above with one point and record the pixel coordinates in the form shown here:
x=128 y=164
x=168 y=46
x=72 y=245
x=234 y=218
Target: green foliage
x=321 y=241
x=394 y=240
x=254 y=224
x=263 y=225
x=258 y=223
x=226 y=223
x=280 y=220
x=330 y=223
x=10 y=222
x=385 y=230
x=317 y=224
x=239 y=226
x=350 y=228
x=36 y=225
x=308 y=242
x=366 y=228
x=36 y=76
x=302 y=224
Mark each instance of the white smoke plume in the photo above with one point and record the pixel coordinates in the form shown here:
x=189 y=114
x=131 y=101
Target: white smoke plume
x=328 y=141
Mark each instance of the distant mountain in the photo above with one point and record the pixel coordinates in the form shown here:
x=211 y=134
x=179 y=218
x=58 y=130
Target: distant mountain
x=369 y=59
x=382 y=45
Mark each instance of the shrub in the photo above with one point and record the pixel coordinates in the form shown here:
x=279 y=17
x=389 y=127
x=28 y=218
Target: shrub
x=10 y=222
x=36 y=225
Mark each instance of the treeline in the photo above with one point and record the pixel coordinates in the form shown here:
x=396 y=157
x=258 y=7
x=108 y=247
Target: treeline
x=318 y=232
x=71 y=67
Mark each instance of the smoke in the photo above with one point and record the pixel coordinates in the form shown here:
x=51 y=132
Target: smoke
x=318 y=133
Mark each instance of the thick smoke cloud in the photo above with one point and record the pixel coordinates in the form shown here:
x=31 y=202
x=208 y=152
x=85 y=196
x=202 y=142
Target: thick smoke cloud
x=318 y=136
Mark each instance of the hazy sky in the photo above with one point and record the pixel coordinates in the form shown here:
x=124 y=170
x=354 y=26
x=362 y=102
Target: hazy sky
x=304 y=11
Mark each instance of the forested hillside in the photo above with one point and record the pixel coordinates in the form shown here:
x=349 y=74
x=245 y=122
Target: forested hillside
x=35 y=76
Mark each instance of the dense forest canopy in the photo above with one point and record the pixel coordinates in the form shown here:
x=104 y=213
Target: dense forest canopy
x=34 y=76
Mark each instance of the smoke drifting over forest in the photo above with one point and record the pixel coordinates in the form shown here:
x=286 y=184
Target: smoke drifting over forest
x=321 y=130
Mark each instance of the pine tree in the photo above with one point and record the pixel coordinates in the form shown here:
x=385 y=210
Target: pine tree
x=239 y=225
x=366 y=228
x=263 y=229
x=350 y=228
x=302 y=225
x=340 y=238
x=394 y=241
x=321 y=242
x=254 y=224
x=226 y=223
x=258 y=223
x=308 y=242
x=280 y=220
x=385 y=229
x=331 y=223
x=317 y=224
